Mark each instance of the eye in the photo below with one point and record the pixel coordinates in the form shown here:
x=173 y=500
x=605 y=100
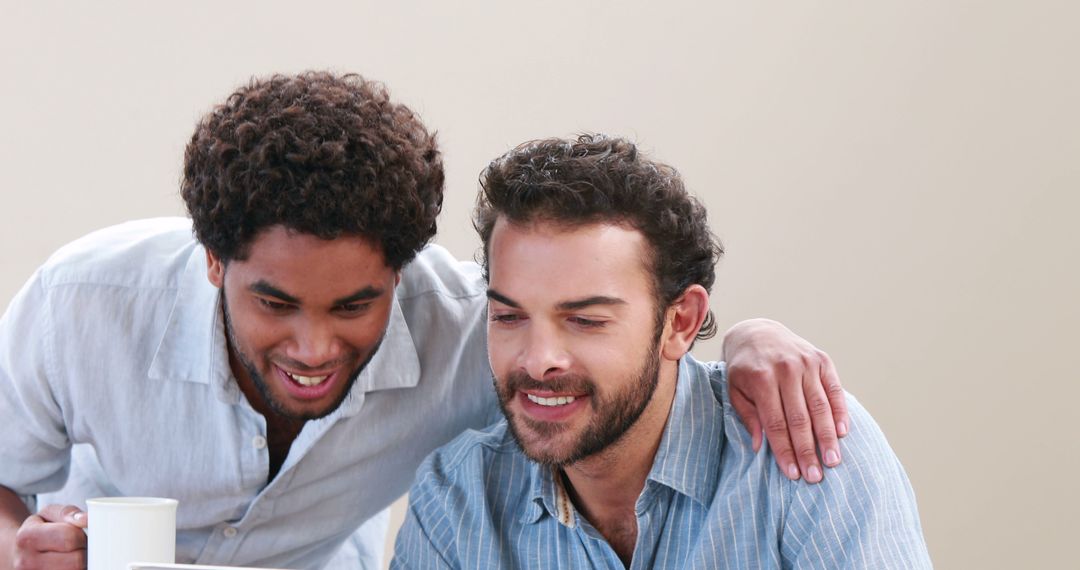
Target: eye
x=275 y=306
x=352 y=309
x=507 y=319
x=587 y=323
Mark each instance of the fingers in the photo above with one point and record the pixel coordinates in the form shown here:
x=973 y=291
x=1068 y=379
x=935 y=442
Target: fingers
x=69 y=514
x=775 y=421
x=800 y=426
x=53 y=561
x=39 y=535
x=755 y=396
x=817 y=403
x=748 y=414
x=830 y=380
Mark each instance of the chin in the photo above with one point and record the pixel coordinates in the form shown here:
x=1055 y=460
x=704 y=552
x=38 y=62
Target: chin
x=547 y=451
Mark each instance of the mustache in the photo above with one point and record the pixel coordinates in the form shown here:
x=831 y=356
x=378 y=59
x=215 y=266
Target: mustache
x=519 y=380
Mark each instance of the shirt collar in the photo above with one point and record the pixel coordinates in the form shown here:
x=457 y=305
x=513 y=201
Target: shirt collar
x=687 y=460
x=546 y=493
x=192 y=348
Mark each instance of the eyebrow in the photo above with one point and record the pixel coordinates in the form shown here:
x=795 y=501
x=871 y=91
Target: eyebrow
x=496 y=296
x=563 y=306
x=589 y=302
x=365 y=294
x=265 y=288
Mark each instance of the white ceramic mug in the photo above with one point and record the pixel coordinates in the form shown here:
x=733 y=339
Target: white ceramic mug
x=122 y=530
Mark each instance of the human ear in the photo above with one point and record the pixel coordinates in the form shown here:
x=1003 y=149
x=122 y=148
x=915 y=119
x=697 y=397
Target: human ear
x=215 y=269
x=683 y=321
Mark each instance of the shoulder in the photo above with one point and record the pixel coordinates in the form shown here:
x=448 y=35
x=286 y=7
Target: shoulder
x=477 y=476
x=865 y=448
x=450 y=507
x=870 y=467
x=469 y=458
x=444 y=304
x=862 y=504
x=865 y=504
x=435 y=271
x=141 y=253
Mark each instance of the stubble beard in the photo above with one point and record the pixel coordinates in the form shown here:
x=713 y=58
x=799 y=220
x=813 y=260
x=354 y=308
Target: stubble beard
x=611 y=418
x=263 y=387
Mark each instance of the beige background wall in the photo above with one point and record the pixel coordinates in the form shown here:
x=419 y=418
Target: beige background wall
x=897 y=181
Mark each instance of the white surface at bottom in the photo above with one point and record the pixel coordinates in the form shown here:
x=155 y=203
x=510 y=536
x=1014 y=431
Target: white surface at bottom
x=143 y=566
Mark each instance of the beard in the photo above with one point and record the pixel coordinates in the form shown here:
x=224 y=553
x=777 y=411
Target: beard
x=612 y=417
x=264 y=388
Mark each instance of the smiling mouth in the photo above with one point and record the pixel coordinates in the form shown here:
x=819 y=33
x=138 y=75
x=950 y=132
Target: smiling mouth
x=307 y=380
x=555 y=401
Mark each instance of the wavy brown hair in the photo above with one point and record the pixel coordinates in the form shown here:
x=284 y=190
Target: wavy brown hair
x=322 y=154
x=594 y=179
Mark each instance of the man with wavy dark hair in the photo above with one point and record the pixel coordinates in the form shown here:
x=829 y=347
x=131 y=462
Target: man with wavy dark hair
x=599 y=266
x=284 y=371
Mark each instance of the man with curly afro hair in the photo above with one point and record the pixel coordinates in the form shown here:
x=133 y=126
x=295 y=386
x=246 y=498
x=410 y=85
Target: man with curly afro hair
x=282 y=361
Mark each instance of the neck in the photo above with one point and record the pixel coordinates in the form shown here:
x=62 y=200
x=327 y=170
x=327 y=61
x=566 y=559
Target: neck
x=281 y=430
x=605 y=486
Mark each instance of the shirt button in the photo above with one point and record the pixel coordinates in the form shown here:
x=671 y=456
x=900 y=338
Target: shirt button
x=229 y=532
x=259 y=442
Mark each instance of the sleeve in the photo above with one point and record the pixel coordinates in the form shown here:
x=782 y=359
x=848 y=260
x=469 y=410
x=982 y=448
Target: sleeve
x=862 y=515
x=426 y=538
x=36 y=451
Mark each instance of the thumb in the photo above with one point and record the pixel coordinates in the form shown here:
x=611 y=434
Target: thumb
x=77 y=518
x=69 y=514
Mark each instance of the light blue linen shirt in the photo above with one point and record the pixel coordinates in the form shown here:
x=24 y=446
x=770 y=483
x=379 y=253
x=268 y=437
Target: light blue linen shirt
x=709 y=501
x=114 y=380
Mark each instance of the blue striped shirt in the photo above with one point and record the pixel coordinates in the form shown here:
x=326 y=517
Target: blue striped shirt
x=709 y=501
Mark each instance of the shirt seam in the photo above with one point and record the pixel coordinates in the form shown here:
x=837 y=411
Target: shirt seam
x=441 y=293
x=51 y=286
x=50 y=349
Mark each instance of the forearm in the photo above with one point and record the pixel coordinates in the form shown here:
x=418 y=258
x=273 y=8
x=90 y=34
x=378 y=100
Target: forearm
x=12 y=514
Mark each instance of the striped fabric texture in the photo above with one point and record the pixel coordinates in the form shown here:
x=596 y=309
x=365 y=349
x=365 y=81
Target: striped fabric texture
x=709 y=502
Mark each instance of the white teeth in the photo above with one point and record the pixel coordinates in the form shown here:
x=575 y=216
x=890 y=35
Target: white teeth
x=558 y=401
x=308 y=380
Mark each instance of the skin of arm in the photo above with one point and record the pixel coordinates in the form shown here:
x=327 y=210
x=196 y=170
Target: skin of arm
x=12 y=514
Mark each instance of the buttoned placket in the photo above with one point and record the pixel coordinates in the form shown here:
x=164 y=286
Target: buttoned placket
x=254 y=455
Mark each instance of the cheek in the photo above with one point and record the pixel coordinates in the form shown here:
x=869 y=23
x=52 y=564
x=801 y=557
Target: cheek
x=259 y=334
x=609 y=358
x=365 y=331
x=503 y=361
x=499 y=350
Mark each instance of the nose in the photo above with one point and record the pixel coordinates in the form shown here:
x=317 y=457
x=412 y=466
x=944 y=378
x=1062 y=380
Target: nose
x=315 y=344
x=544 y=353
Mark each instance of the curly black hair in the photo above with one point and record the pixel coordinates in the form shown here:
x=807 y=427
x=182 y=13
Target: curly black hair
x=320 y=153
x=596 y=178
